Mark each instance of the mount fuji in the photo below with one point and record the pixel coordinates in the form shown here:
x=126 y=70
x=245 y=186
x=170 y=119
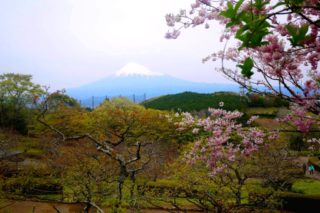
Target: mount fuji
x=135 y=79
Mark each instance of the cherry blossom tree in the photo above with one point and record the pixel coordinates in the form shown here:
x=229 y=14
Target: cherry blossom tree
x=223 y=151
x=222 y=139
x=275 y=44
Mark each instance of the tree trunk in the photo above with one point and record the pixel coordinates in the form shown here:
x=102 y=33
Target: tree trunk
x=87 y=207
x=122 y=176
x=132 y=190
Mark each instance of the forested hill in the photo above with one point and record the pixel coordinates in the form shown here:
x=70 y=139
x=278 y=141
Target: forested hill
x=190 y=101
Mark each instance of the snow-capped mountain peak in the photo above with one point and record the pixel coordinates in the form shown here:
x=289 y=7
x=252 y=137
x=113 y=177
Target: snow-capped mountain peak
x=132 y=69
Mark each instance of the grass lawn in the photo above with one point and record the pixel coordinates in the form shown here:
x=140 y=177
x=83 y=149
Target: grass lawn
x=307 y=186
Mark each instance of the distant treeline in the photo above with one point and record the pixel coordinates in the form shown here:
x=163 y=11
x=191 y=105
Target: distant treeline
x=190 y=101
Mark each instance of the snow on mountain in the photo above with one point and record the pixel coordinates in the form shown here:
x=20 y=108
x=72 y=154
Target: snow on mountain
x=136 y=69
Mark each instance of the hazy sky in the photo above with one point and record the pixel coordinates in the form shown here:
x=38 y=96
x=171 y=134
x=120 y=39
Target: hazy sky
x=66 y=43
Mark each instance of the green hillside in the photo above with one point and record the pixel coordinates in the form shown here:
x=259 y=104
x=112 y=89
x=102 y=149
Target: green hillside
x=190 y=101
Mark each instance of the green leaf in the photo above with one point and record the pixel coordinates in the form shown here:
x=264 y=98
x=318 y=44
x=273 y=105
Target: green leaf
x=246 y=67
x=230 y=24
x=298 y=35
x=253 y=27
x=259 y=4
x=292 y=30
x=229 y=13
x=239 y=3
x=303 y=31
x=232 y=12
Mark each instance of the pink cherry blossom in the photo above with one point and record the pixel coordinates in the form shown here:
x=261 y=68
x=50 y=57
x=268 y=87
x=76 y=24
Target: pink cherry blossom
x=217 y=148
x=288 y=71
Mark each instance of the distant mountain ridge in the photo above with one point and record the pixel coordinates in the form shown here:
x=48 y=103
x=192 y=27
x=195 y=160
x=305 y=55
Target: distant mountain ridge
x=135 y=79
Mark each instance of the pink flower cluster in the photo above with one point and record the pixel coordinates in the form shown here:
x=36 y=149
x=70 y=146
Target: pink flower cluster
x=226 y=139
x=299 y=118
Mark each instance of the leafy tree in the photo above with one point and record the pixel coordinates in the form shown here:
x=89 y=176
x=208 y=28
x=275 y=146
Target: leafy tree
x=62 y=112
x=129 y=128
x=119 y=129
x=17 y=95
x=59 y=99
x=87 y=176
